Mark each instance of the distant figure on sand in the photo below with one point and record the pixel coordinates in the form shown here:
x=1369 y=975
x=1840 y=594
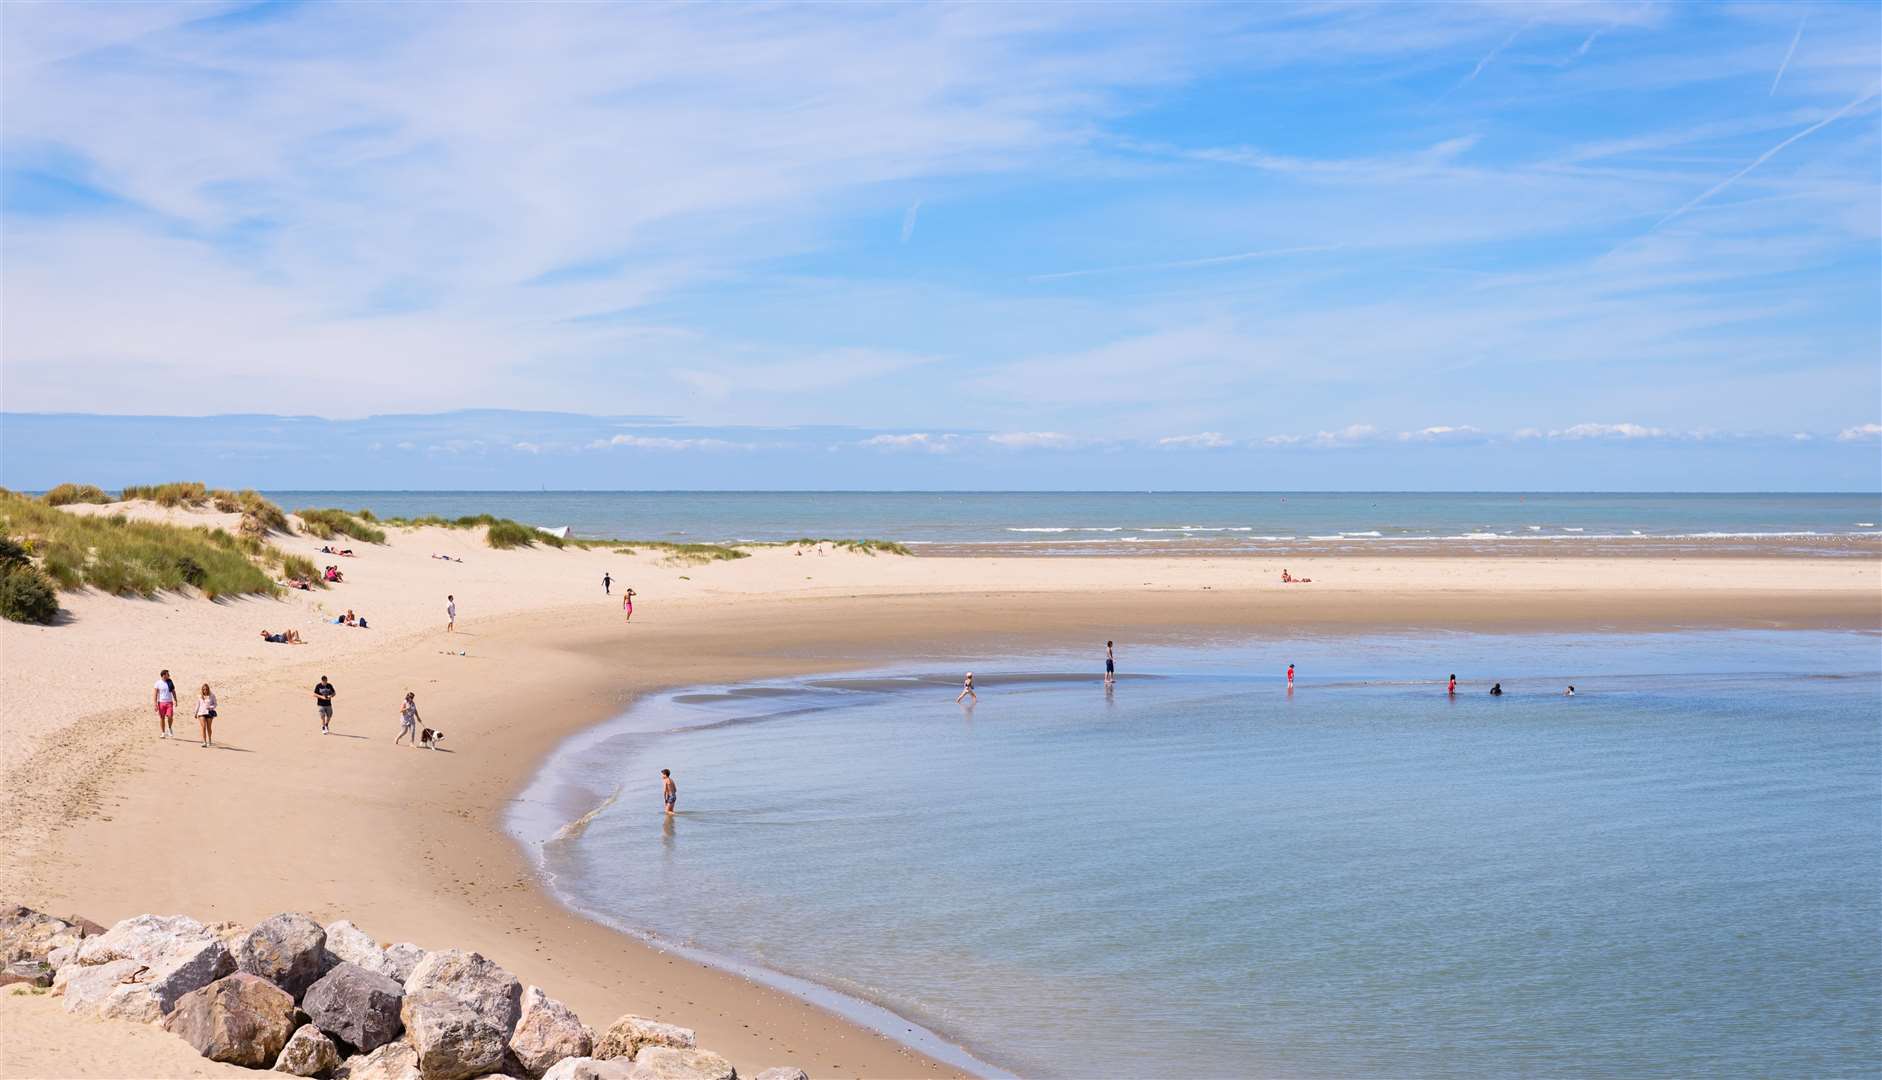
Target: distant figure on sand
x=1110 y=664
x=323 y=702
x=285 y=637
x=163 y=696
x=408 y=719
x=627 y=605
x=1452 y=689
x=1289 y=579
x=206 y=713
x=1290 y=676
x=450 y=613
x=669 y=791
x=607 y=583
x=967 y=689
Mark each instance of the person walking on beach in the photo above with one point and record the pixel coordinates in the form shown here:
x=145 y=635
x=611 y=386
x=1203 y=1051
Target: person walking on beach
x=669 y=791
x=1452 y=689
x=1110 y=664
x=206 y=714
x=323 y=702
x=607 y=583
x=967 y=689
x=450 y=613
x=627 y=605
x=1290 y=676
x=163 y=696
x=408 y=719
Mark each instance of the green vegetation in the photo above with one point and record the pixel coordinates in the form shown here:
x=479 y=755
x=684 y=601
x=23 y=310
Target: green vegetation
x=25 y=593
x=509 y=534
x=325 y=524
x=259 y=516
x=65 y=494
x=867 y=547
x=142 y=558
x=182 y=493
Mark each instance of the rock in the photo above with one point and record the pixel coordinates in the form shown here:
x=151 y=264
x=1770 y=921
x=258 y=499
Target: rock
x=403 y=958
x=28 y=972
x=61 y=956
x=242 y=1019
x=145 y=938
x=86 y=927
x=26 y=934
x=454 y=1040
x=229 y=931
x=676 y=1063
x=289 y=950
x=84 y=986
x=349 y=944
x=784 y=1072
x=546 y=1032
x=308 y=1053
x=482 y=986
x=627 y=1035
x=587 y=1068
x=156 y=987
x=359 y=1008
x=393 y=1061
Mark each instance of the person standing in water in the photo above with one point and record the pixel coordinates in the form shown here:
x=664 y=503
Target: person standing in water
x=1110 y=664
x=1452 y=689
x=1290 y=676
x=669 y=791
x=607 y=583
x=967 y=689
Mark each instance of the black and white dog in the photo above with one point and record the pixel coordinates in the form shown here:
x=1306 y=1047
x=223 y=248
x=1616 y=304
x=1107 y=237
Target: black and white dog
x=429 y=738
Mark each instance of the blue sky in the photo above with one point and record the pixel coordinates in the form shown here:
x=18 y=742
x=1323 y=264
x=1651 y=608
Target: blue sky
x=1496 y=245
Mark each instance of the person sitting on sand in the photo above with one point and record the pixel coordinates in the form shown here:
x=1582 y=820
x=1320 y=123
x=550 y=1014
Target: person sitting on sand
x=1289 y=579
x=285 y=637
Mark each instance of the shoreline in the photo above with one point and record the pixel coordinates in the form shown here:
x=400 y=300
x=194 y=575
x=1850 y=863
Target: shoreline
x=413 y=846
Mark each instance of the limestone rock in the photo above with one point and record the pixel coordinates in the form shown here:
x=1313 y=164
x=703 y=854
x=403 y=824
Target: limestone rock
x=393 y=1061
x=26 y=934
x=402 y=958
x=84 y=986
x=587 y=1068
x=61 y=956
x=546 y=1032
x=229 y=931
x=242 y=1019
x=144 y=938
x=308 y=1053
x=676 y=1063
x=466 y=977
x=86 y=927
x=784 y=1072
x=29 y=972
x=349 y=944
x=359 y=1008
x=453 y=1039
x=289 y=950
x=627 y=1035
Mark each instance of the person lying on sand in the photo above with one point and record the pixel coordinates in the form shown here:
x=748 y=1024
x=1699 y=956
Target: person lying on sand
x=298 y=583
x=285 y=637
x=1289 y=579
x=446 y=558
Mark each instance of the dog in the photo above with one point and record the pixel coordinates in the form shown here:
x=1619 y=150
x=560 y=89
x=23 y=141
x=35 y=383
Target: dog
x=429 y=738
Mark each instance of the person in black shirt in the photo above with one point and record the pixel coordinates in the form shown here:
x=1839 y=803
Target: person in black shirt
x=323 y=699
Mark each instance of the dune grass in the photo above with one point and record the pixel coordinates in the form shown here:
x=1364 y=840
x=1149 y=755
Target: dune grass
x=866 y=547
x=179 y=493
x=143 y=558
x=66 y=494
x=326 y=524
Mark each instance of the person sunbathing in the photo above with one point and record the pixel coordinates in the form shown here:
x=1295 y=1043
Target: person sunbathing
x=285 y=637
x=298 y=583
x=446 y=558
x=1289 y=579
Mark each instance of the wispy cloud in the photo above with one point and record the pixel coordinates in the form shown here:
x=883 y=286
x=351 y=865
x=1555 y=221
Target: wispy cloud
x=917 y=440
x=1203 y=440
x=1860 y=433
x=1608 y=431
x=1350 y=435
x=1190 y=264
x=661 y=442
x=1491 y=55
x=1788 y=53
x=908 y=220
x=1035 y=440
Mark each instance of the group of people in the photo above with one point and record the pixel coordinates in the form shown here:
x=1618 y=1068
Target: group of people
x=350 y=619
x=332 y=573
x=163 y=695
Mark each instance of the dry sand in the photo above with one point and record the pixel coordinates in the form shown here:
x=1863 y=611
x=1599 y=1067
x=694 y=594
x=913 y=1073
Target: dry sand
x=99 y=816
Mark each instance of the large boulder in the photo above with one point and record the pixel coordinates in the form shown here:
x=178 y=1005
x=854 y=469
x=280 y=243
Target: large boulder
x=453 y=1039
x=349 y=944
x=677 y=1063
x=308 y=1053
x=359 y=1008
x=84 y=986
x=626 y=1036
x=27 y=972
x=546 y=1032
x=153 y=991
x=486 y=988
x=242 y=1019
x=145 y=938
x=783 y=1072
x=402 y=959
x=26 y=934
x=393 y=1061
x=289 y=950
x=587 y=1068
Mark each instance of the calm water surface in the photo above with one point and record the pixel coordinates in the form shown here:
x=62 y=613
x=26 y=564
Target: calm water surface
x=1677 y=872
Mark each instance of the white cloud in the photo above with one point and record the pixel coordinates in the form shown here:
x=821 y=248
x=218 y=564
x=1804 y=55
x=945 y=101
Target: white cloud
x=661 y=442
x=1350 y=435
x=1204 y=440
x=1442 y=433
x=915 y=440
x=1035 y=440
x=1861 y=433
x=527 y=447
x=1609 y=431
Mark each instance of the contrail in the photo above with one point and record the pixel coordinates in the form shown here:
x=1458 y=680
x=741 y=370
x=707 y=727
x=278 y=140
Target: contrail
x=1788 y=53
x=1184 y=264
x=908 y=220
x=1768 y=154
x=1489 y=56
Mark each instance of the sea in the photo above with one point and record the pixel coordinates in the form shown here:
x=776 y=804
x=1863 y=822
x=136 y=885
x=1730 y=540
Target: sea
x=1674 y=872
x=1181 y=523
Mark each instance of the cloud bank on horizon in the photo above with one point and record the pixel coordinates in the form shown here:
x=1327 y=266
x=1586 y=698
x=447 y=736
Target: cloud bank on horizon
x=1115 y=234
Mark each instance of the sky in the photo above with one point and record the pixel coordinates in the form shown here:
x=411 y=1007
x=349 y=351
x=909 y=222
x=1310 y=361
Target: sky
x=1543 y=246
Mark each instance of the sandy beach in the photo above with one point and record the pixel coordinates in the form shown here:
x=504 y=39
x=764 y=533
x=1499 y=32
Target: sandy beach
x=102 y=818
